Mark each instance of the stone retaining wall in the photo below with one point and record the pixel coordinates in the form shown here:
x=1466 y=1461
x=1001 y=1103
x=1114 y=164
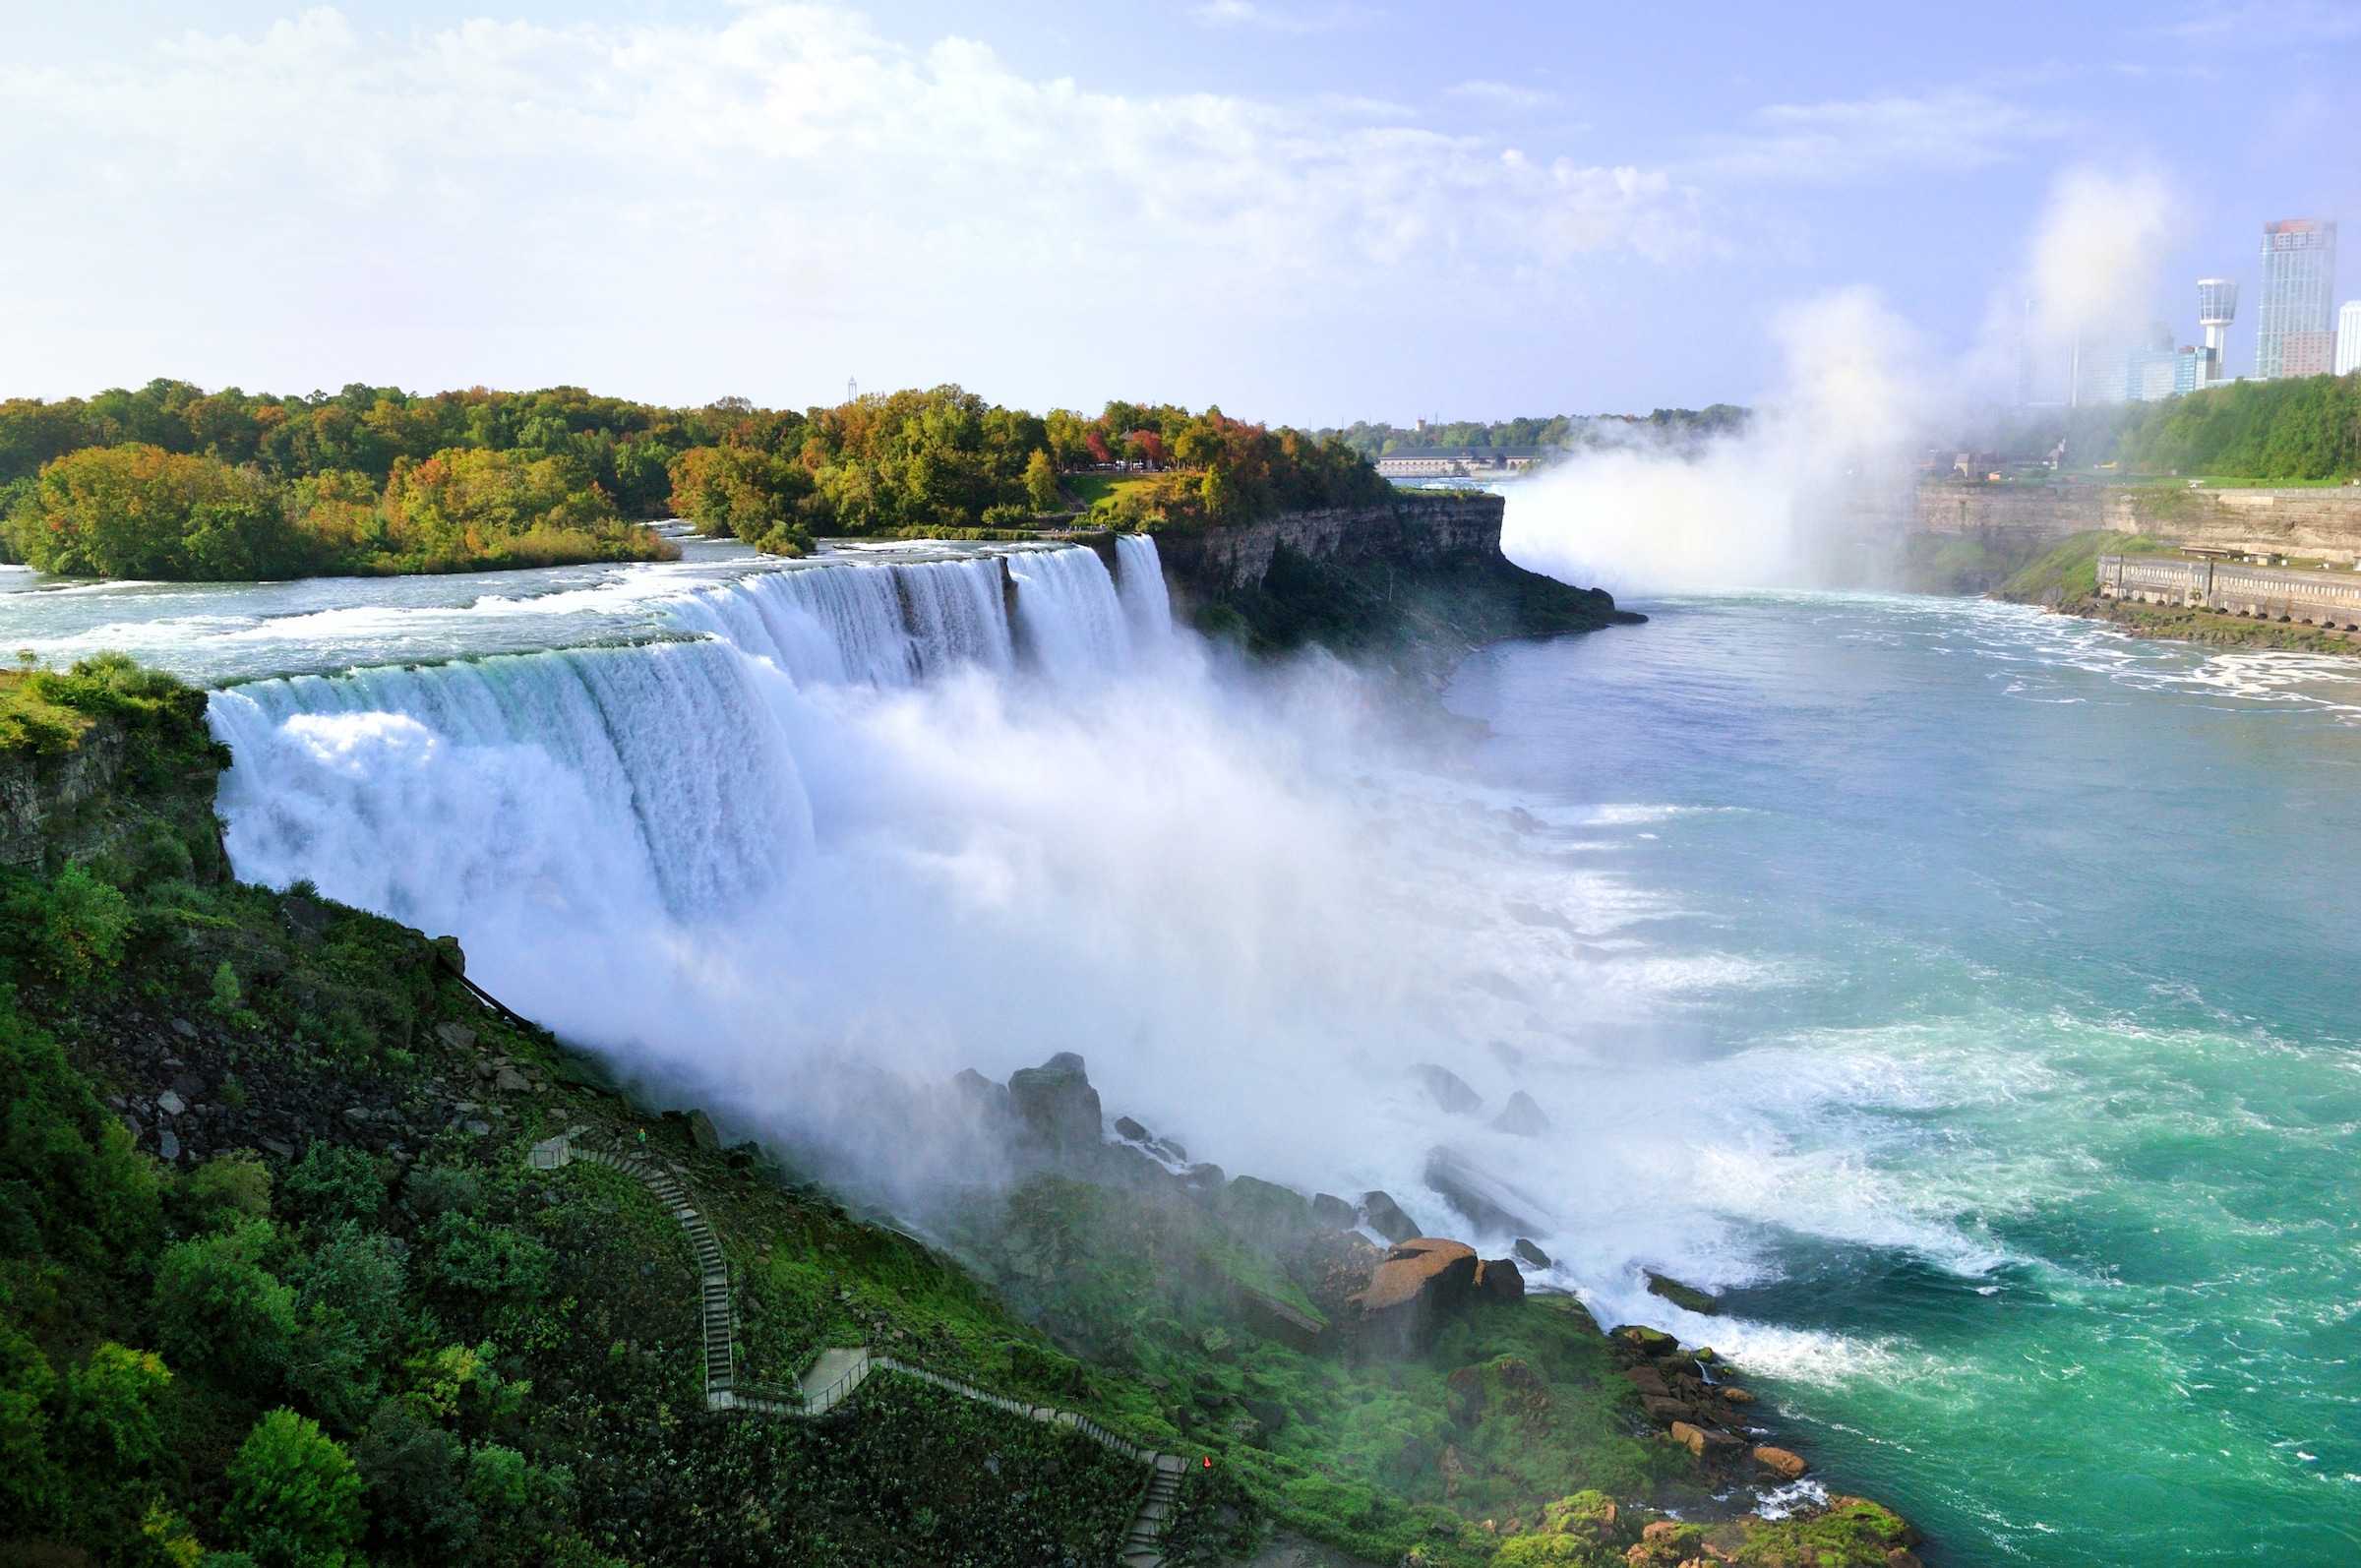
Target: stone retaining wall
x=2271 y=593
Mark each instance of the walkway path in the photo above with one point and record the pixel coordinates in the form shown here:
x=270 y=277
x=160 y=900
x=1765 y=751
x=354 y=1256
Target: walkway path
x=838 y=1372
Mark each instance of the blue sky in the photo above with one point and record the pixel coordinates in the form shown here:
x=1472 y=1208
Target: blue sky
x=1305 y=213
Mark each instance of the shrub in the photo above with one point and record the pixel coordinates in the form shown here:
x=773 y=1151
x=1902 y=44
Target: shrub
x=295 y=1499
x=219 y=1311
x=71 y=1186
x=410 y=1471
x=331 y=1185
x=348 y=1311
x=491 y=1261
x=113 y=1422
x=68 y=931
x=30 y=1479
x=225 y=1189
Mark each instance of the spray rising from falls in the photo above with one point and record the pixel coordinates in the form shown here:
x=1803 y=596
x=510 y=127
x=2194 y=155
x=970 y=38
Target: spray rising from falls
x=873 y=828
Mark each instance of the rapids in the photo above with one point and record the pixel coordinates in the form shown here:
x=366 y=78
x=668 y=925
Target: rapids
x=1965 y=995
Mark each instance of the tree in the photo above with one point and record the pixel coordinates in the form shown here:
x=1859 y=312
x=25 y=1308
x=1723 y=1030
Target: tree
x=418 y=1503
x=219 y=1311
x=296 y=1498
x=137 y=510
x=1040 y=481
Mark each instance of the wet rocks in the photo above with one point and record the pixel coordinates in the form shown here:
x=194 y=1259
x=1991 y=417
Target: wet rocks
x=1387 y=1218
x=1780 y=1462
x=1332 y=1213
x=1501 y=1280
x=1488 y=1203
x=1681 y=1295
x=1056 y=1102
x=1527 y=1253
x=1265 y=1212
x=1447 y=1089
x=1522 y=1118
x=1417 y=1279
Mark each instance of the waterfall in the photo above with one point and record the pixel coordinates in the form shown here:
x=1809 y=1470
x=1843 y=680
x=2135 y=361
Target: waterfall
x=1072 y=619
x=883 y=624
x=1139 y=578
x=583 y=784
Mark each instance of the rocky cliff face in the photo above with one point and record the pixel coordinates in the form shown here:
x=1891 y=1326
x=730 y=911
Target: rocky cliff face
x=42 y=798
x=2322 y=523
x=1415 y=531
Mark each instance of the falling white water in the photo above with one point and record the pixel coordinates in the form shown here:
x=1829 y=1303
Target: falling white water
x=1139 y=578
x=1072 y=619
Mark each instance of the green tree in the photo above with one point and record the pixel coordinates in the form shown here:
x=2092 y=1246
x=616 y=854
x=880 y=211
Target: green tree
x=1040 y=481
x=348 y=1309
x=295 y=1497
x=217 y=1311
x=31 y=1480
x=72 y=1187
x=136 y=511
x=417 y=1494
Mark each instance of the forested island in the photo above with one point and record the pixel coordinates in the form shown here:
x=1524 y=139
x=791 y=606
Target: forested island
x=172 y=482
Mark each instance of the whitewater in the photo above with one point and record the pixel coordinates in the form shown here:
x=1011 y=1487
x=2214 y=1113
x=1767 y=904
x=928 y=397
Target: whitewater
x=1966 y=996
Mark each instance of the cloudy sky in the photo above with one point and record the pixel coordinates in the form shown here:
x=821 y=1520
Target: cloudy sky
x=1309 y=212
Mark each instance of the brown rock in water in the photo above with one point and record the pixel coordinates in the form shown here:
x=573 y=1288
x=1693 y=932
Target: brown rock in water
x=1500 y=1280
x=1417 y=1277
x=1903 y=1557
x=1736 y=1396
x=1647 y=1380
x=1779 y=1462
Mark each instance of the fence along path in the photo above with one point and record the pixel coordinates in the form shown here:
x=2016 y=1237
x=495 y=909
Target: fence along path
x=839 y=1372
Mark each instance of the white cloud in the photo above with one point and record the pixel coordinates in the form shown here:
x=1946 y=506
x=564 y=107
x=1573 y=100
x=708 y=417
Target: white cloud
x=790 y=174
x=1838 y=142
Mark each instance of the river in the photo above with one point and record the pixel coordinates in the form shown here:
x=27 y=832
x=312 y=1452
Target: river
x=1966 y=996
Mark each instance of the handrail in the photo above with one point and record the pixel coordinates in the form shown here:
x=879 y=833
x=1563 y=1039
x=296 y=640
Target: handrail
x=723 y=1392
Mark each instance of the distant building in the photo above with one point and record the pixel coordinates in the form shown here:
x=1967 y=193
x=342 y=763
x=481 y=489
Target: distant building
x=2294 y=334
x=2216 y=308
x=2192 y=368
x=2348 y=339
x=2117 y=368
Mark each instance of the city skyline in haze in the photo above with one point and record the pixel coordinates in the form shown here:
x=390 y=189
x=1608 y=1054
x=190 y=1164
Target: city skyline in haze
x=1306 y=213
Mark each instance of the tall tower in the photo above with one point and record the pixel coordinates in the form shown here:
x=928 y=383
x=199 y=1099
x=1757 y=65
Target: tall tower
x=2216 y=308
x=2295 y=333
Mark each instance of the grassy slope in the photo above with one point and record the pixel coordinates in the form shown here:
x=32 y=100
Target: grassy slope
x=342 y=1109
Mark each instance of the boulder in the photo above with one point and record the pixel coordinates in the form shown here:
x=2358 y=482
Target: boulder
x=1647 y=1380
x=1736 y=1396
x=1664 y=1412
x=1418 y=1279
x=1463 y=1390
x=1266 y=1212
x=702 y=1132
x=1649 y=1341
x=1779 y=1462
x=1681 y=1295
x=1125 y=1127
x=1447 y=1089
x=1527 y=1253
x=1489 y=1202
x=1500 y=1280
x=459 y=1037
x=1057 y=1104
x=988 y=1100
x=1522 y=1118
x=1331 y=1213
x=1387 y=1218
x=1279 y=1322
x=1689 y=1437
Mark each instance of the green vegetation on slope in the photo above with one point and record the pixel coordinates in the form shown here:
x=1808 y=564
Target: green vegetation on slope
x=1573 y=432
x=277 y=1287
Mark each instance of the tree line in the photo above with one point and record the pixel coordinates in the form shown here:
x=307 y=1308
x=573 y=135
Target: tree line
x=2301 y=428
x=171 y=481
x=1572 y=432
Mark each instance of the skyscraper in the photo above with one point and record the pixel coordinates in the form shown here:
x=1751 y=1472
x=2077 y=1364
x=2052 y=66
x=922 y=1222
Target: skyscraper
x=2348 y=338
x=2294 y=335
